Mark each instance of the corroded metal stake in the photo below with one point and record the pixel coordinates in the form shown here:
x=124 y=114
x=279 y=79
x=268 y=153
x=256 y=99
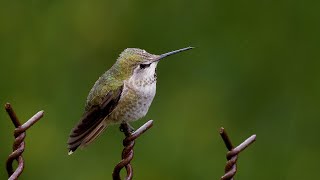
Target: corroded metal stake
x=18 y=145
x=127 y=153
x=232 y=155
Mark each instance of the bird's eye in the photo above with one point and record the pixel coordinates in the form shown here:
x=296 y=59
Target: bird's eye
x=143 y=66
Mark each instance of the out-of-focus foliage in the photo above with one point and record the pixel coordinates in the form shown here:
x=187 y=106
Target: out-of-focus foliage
x=255 y=69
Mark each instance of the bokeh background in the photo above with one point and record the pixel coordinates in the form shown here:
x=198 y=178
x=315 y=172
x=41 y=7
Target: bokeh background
x=255 y=69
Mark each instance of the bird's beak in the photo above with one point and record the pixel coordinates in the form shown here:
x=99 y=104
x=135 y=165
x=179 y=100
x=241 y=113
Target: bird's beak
x=172 y=52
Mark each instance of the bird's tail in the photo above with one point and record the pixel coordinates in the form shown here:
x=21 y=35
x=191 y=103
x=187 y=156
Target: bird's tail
x=94 y=134
x=90 y=126
x=87 y=138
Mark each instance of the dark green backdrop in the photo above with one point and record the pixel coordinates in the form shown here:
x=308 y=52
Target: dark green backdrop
x=255 y=69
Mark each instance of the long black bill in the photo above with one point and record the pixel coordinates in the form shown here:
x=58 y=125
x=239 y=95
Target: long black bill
x=173 y=52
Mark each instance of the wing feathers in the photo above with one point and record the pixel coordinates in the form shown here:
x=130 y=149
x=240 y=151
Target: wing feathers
x=91 y=125
x=94 y=134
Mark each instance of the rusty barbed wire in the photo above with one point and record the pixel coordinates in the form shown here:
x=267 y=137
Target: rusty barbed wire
x=232 y=156
x=18 y=145
x=127 y=153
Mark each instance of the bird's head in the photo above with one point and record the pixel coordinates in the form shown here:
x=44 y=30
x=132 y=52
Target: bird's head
x=139 y=61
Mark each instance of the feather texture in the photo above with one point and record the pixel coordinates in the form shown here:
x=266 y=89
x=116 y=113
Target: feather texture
x=91 y=125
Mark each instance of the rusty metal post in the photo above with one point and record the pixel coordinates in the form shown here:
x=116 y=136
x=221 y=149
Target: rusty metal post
x=232 y=155
x=18 y=145
x=127 y=153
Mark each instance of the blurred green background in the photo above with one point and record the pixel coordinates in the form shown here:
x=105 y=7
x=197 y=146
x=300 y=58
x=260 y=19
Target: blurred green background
x=255 y=69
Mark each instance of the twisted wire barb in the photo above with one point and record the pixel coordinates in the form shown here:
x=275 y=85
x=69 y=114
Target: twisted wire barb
x=127 y=153
x=18 y=145
x=232 y=156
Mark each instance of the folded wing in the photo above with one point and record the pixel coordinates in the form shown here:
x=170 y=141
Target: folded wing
x=91 y=125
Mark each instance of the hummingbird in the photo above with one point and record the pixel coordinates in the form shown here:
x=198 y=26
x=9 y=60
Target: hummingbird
x=122 y=94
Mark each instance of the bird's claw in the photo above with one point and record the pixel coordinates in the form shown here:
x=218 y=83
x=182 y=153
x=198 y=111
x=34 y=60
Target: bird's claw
x=130 y=128
x=126 y=127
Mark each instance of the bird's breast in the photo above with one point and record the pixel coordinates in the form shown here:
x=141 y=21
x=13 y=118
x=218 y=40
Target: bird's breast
x=135 y=101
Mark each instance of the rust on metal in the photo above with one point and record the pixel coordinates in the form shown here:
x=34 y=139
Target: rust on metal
x=232 y=155
x=19 y=144
x=127 y=153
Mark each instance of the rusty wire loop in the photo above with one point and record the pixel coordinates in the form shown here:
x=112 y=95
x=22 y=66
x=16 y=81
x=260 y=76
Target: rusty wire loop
x=18 y=145
x=232 y=155
x=127 y=153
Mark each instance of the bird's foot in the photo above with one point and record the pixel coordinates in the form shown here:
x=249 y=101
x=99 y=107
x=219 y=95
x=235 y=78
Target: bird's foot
x=126 y=127
x=130 y=128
